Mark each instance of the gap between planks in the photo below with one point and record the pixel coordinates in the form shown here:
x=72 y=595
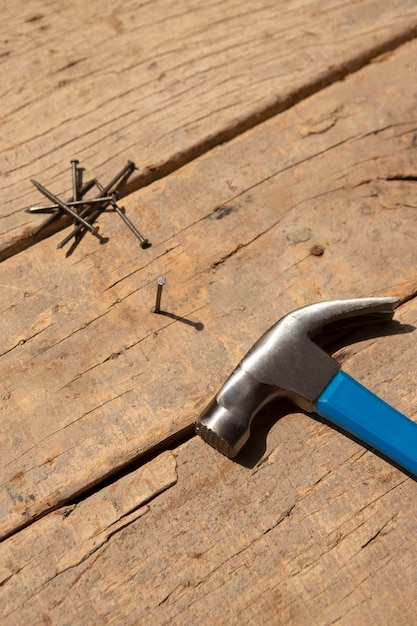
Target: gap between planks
x=120 y=472
x=151 y=174
x=142 y=459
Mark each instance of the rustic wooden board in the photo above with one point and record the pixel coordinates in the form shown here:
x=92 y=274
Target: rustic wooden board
x=308 y=527
x=93 y=380
x=161 y=82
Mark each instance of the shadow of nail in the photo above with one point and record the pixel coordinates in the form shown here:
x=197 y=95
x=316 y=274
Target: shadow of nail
x=184 y=320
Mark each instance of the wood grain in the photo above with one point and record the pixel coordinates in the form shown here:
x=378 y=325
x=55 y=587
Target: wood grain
x=308 y=527
x=92 y=380
x=161 y=82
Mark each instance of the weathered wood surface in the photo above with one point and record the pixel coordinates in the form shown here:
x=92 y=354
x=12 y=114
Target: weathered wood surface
x=105 y=515
x=92 y=380
x=309 y=528
x=161 y=82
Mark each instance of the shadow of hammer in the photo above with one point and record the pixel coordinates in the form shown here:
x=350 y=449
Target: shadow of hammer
x=286 y=361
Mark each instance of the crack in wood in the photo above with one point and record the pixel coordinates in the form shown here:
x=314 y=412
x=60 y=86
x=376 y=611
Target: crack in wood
x=141 y=460
x=96 y=408
x=104 y=539
x=380 y=531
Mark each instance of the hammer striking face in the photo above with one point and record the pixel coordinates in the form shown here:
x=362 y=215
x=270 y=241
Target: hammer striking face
x=285 y=361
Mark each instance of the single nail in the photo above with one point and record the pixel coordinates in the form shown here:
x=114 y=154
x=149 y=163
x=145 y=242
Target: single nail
x=144 y=243
x=68 y=210
x=72 y=203
x=75 y=184
x=160 y=281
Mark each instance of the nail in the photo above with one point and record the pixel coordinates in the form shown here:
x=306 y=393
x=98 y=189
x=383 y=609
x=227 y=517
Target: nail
x=161 y=280
x=144 y=243
x=68 y=210
x=119 y=179
x=53 y=207
x=75 y=185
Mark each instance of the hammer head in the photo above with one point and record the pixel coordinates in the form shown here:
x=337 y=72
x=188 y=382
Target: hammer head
x=285 y=361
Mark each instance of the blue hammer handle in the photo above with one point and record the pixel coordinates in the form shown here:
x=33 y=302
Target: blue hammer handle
x=348 y=404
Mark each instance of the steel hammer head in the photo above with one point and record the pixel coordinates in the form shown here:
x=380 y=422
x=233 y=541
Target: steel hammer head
x=285 y=361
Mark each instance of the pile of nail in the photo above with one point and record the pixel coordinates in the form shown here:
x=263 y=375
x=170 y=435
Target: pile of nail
x=83 y=211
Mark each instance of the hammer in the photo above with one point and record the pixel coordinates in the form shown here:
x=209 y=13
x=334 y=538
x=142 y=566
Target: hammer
x=286 y=361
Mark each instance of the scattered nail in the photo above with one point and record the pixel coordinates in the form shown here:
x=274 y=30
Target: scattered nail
x=72 y=203
x=144 y=243
x=69 y=210
x=121 y=177
x=117 y=181
x=58 y=213
x=84 y=212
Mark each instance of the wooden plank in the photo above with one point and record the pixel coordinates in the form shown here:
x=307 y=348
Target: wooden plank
x=90 y=524
x=93 y=380
x=308 y=528
x=162 y=82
